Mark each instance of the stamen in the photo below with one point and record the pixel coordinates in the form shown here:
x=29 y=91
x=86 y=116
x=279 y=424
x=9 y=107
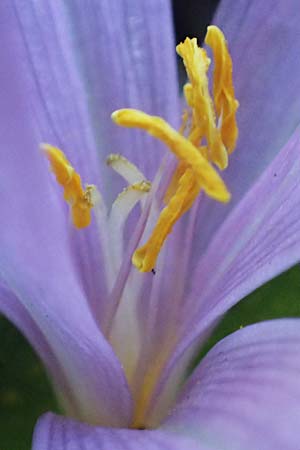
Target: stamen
x=79 y=199
x=178 y=172
x=194 y=171
x=198 y=98
x=188 y=94
x=223 y=90
x=144 y=258
x=207 y=135
x=185 y=151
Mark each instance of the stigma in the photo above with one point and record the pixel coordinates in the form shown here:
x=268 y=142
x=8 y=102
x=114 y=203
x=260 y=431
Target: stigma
x=207 y=136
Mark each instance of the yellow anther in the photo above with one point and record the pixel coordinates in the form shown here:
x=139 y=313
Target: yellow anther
x=184 y=121
x=144 y=258
x=171 y=189
x=198 y=98
x=79 y=199
x=194 y=173
x=223 y=90
x=182 y=148
x=188 y=94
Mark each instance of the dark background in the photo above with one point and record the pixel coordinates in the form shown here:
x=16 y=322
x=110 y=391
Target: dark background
x=25 y=392
x=191 y=17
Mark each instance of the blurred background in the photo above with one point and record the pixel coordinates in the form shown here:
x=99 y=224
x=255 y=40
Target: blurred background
x=25 y=392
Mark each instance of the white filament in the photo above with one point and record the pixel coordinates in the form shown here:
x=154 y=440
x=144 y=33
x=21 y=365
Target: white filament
x=125 y=168
x=111 y=224
x=119 y=213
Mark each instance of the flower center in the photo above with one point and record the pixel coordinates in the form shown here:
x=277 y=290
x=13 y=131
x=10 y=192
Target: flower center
x=207 y=136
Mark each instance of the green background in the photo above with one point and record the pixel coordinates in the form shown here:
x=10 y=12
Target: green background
x=25 y=392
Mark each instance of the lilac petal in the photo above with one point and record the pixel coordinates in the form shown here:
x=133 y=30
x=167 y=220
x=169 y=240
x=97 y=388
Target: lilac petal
x=85 y=369
x=49 y=95
x=35 y=249
x=33 y=226
x=263 y=42
x=15 y=311
x=40 y=292
x=245 y=394
x=39 y=288
x=58 y=433
x=75 y=66
x=263 y=39
x=31 y=216
x=259 y=240
x=86 y=62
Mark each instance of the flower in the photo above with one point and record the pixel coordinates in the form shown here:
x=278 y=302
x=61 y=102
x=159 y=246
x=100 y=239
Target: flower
x=56 y=282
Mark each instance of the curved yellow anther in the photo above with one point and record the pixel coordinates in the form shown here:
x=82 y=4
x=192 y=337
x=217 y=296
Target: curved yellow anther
x=182 y=148
x=79 y=199
x=198 y=98
x=194 y=173
x=172 y=187
x=144 y=258
x=223 y=90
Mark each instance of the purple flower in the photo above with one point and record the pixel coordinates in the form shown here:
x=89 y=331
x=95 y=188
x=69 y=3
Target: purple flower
x=117 y=343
